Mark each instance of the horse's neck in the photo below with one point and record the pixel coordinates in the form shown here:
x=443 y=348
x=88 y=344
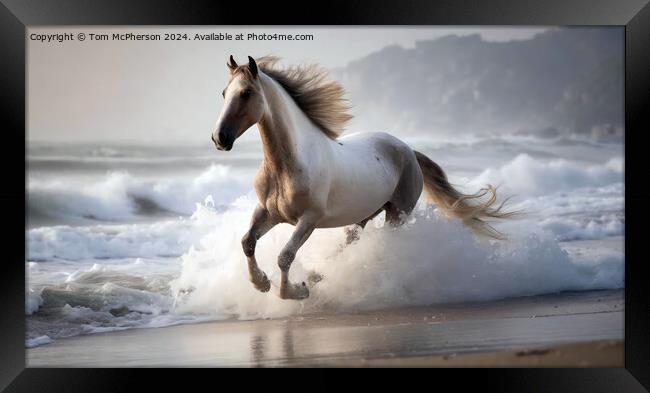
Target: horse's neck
x=288 y=136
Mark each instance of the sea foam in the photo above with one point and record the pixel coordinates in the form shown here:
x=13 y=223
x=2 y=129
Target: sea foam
x=429 y=260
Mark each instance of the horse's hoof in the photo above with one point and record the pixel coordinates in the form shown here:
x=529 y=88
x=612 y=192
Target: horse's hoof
x=295 y=292
x=262 y=284
x=314 y=278
x=351 y=235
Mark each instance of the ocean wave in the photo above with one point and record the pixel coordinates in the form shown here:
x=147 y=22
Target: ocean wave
x=530 y=176
x=114 y=276
x=587 y=213
x=585 y=228
x=166 y=238
x=429 y=260
x=100 y=299
x=592 y=216
x=119 y=196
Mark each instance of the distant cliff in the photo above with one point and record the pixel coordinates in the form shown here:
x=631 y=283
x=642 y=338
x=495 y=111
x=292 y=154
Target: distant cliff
x=568 y=79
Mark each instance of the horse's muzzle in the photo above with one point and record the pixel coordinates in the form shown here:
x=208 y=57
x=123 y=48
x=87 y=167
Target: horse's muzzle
x=223 y=141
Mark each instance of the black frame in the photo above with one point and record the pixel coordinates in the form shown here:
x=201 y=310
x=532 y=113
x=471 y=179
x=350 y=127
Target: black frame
x=16 y=15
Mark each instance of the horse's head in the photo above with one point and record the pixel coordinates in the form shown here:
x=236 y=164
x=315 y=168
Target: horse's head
x=243 y=106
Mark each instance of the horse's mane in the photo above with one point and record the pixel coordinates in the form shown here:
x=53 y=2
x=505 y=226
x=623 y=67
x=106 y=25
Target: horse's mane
x=322 y=100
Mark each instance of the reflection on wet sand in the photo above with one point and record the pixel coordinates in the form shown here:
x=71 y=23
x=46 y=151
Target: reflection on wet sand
x=352 y=339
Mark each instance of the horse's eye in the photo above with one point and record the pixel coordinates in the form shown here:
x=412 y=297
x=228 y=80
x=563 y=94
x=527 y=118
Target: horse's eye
x=246 y=93
x=223 y=93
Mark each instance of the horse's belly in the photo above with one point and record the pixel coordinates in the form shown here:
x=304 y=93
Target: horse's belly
x=359 y=189
x=348 y=211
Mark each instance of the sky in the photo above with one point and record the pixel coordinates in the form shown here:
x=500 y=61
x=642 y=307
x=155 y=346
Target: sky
x=169 y=92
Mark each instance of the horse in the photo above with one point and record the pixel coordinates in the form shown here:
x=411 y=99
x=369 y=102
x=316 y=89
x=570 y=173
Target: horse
x=312 y=177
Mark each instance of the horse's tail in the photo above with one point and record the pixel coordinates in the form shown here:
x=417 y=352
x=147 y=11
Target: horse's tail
x=469 y=208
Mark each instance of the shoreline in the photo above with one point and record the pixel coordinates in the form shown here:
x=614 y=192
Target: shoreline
x=575 y=329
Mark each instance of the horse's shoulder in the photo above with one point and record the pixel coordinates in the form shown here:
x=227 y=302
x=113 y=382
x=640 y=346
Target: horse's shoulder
x=261 y=178
x=285 y=195
x=290 y=181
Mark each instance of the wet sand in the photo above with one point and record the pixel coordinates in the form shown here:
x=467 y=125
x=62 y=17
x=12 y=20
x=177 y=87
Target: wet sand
x=574 y=329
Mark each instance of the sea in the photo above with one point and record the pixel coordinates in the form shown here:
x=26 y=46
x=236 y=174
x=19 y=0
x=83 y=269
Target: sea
x=123 y=236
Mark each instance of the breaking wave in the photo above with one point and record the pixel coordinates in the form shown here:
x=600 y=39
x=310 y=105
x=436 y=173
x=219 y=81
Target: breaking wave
x=529 y=176
x=119 y=196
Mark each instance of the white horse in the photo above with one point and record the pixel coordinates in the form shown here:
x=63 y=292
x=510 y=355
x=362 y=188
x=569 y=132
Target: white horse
x=312 y=178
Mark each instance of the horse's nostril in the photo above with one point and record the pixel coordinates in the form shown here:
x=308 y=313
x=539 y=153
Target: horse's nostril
x=222 y=137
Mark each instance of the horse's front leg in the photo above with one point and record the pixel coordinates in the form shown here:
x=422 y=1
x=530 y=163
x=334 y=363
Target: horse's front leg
x=304 y=228
x=260 y=224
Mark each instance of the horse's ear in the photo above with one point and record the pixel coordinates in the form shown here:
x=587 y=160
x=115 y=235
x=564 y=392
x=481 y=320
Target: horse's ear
x=253 y=66
x=232 y=65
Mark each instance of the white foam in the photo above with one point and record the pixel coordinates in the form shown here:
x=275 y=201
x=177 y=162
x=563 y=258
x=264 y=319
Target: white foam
x=579 y=214
x=36 y=341
x=162 y=238
x=430 y=260
x=33 y=301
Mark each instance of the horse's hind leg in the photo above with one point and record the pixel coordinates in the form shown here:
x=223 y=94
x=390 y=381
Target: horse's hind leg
x=400 y=206
x=406 y=194
x=352 y=231
x=394 y=215
x=260 y=224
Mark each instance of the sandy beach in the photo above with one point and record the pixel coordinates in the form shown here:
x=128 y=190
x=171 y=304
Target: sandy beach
x=571 y=329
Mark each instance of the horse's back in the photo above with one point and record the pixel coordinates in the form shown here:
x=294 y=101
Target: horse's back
x=391 y=152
